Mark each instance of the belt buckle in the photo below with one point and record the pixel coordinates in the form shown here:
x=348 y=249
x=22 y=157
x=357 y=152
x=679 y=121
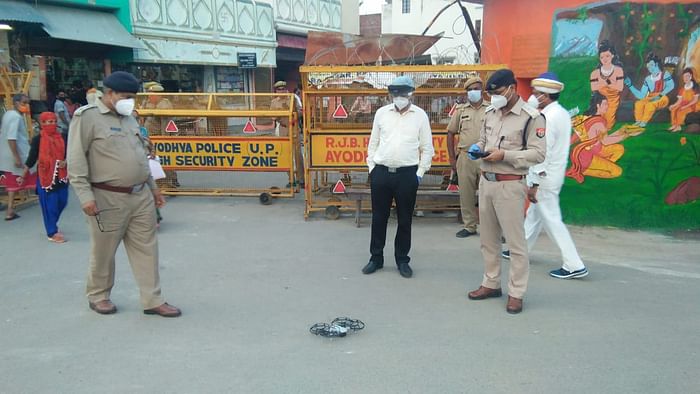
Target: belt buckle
x=392 y=169
x=490 y=176
x=137 y=188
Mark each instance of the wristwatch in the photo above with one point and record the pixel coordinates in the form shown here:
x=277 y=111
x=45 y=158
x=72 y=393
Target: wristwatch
x=535 y=184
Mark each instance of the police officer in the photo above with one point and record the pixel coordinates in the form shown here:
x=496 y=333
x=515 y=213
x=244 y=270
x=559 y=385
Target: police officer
x=282 y=102
x=400 y=151
x=512 y=140
x=109 y=172
x=467 y=121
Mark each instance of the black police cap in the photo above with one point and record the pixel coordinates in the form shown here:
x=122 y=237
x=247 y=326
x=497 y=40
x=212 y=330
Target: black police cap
x=499 y=79
x=122 y=82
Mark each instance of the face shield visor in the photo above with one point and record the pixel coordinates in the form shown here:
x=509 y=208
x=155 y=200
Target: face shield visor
x=400 y=91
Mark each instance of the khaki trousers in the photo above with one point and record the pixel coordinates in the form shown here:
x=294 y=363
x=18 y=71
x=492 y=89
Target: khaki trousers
x=130 y=218
x=468 y=174
x=501 y=213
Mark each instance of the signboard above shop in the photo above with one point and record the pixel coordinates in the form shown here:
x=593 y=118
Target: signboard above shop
x=247 y=60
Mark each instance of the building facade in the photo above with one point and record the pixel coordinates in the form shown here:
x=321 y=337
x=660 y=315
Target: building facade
x=186 y=45
x=414 y=16
x=295 y=18
x=194 y=45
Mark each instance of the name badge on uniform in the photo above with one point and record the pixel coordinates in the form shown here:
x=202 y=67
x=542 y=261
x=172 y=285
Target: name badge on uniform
x=466 y=117
x=115 y=128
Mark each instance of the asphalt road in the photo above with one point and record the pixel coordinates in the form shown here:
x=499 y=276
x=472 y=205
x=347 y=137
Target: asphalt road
x=252 y=279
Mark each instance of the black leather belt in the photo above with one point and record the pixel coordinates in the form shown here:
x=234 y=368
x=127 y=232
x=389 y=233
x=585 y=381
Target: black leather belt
x=398 y=169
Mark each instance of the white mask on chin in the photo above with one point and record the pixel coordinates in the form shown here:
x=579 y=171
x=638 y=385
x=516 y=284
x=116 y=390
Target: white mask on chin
x=125 y=107
x=401 y=102
x=533 y=101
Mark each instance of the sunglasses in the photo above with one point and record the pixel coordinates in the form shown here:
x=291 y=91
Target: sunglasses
x=101 y=222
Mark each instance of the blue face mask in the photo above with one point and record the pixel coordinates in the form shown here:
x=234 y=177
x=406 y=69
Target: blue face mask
x=474 y=95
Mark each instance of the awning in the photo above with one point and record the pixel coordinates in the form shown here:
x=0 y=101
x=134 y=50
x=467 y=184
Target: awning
x=78 y=24
x=16 y=11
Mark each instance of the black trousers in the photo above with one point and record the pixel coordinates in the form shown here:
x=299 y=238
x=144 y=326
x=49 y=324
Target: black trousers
x=400 y=186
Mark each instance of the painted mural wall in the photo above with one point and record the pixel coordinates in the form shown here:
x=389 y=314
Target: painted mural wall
x=631 y=71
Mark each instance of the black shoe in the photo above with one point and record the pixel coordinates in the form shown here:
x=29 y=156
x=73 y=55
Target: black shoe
x=464 y=233
x=371 y=267
x=405 y=270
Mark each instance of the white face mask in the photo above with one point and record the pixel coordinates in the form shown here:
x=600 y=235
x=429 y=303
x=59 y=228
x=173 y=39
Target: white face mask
x=401 y=102
x=474 y=95
x=499 y=101
x=125 y=107
x=533 y=101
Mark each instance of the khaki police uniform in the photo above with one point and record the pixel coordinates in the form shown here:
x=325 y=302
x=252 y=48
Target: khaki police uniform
x=278 y=103
x=106 y=149
x=502 y=190
x=467 y=121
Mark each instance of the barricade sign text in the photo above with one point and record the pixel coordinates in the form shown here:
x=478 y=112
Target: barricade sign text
x=223 y=154
x=350 y=150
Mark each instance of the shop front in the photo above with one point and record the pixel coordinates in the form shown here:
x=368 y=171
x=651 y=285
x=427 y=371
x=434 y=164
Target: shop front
x=201 y=51
x=65 y=48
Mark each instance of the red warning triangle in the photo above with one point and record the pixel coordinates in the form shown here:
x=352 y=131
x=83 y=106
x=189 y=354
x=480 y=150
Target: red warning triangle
x=171 y=127
x=452 y=110
x=452 y=187
x=339 y=187
x=249 y=128
x=340 y=112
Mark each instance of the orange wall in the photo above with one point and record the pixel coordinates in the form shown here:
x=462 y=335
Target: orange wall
x=505 y=19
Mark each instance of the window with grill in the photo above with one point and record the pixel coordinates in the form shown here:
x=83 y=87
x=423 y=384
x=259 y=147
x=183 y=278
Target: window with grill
x=406 y=6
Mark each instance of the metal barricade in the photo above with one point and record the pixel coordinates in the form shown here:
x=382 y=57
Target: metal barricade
x=233 y=144
x=339 y=103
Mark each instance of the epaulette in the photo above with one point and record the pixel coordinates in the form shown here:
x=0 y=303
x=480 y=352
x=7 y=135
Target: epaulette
x=490 y=108
x=84 y=108
x=531 y=111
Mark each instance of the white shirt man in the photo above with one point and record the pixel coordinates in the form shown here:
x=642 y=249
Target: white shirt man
x=401 y=140
x=546 y=179
x=400 y=151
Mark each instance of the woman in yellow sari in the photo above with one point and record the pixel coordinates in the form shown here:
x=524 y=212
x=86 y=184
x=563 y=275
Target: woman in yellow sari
x=597 y=153
x=687 y=101
x=607 y=79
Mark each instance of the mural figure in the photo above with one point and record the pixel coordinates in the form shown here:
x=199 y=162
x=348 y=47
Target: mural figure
x=597 y=153
x=652 y=96
x=687 y=100
x=607 y=79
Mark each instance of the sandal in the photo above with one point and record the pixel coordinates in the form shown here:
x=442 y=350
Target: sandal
x=13 y=217
x=57 y=238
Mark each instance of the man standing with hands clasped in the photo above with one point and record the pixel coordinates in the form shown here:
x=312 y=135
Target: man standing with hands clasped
x=546 y=179
x=108 y=168
x=400 y=151
x=466 y=123
x=511 y=140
